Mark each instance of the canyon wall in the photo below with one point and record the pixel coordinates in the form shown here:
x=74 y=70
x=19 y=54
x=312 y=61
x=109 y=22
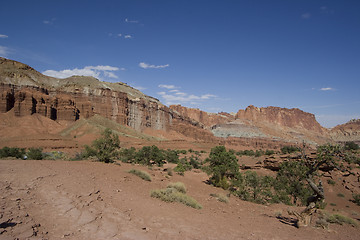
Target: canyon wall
x=207 y=119
x=292 y=118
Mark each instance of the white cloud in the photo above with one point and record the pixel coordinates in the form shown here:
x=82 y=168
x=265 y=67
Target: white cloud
x=176 y=97
x=131 y=21
x=3 y=36
x=327 y=89
x=305 y=15
x=128 y=36
x=4 y=51
x=146 y=66
x=98 y=72
x=168 y=87
x=119 y=34
x=102 y=68
x=49 y=22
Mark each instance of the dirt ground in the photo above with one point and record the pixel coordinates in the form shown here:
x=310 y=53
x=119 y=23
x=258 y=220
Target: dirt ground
x=92 y=200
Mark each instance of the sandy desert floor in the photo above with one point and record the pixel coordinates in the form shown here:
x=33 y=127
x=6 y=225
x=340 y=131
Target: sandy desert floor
x=92 y=200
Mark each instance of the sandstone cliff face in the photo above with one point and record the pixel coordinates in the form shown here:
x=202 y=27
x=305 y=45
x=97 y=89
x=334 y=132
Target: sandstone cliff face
x=27 y=91
x=207 y=119
x=292 y=118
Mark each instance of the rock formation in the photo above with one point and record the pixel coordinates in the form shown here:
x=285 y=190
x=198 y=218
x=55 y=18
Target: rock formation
x=349 y=131
x=292 y=118
x=25 y=91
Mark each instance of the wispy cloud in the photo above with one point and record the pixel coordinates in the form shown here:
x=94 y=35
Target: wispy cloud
x=3 y=36
x=49 y=22
x=327 y=89
x=131 y=21
x=100 y=72
x=305 y=15
x=168 y=87
x=174 y=96
x=326 y=10
x=147 y=66
x=121 y=35
x=4 y=51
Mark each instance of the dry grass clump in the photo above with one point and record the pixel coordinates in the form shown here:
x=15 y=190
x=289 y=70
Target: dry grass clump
x=173 y=194
x=178 y=186
x=142 y=174
x=335 y=218
x=220 y=197
x=341 y=219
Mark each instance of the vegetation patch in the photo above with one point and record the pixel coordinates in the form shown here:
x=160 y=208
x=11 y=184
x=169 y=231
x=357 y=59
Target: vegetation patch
x=220 y=197
x=142 y=174
x=341 y=219
x=178 y=186
x=171 y=194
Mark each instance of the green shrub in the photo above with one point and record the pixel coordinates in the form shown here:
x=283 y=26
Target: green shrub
x=222 y=166
x=291 y=180
x=12 y=152
x=55 y=155
x=331 y=182
x=269 y=152
x=127 y=155
x=150 y=155
x=341 y=195
x=289 y=149
x=340 y=219
x=173 y=195
x=104 y=148
x=356 y=199
x=169 y=171
x=142 y=174
x=178 y=186
x=35 y=154
x=351 y=146
x=171 y=156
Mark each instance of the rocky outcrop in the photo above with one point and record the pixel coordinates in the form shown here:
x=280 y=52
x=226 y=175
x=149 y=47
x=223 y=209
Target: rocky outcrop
x=26 y=92
x=292 y=118
x=349 y=131
x=207 y=119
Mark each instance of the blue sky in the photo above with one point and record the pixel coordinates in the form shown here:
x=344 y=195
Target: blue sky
x=212 y=55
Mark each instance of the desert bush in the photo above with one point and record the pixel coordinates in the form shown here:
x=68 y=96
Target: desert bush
x=291 y=180
x=12 y=152
x=183 y=166
x=222 y=166
x=356 y=199
x=55 y=155
x=171 y=194
x=331 y=182
x=104 y=148
x=220 y=197
x=351 y=146
x=149 y=155
x=251 y=187
x=142 y=174
x=341 y=219
x=35 y=153
x=178 y=186
x=171 y=156
x=341 y=195
x=269 y=152
x=289 y=149
x=127 y=155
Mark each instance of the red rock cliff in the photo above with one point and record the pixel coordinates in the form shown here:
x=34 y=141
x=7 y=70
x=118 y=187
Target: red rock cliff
x=293 y=118
x=207 y=119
